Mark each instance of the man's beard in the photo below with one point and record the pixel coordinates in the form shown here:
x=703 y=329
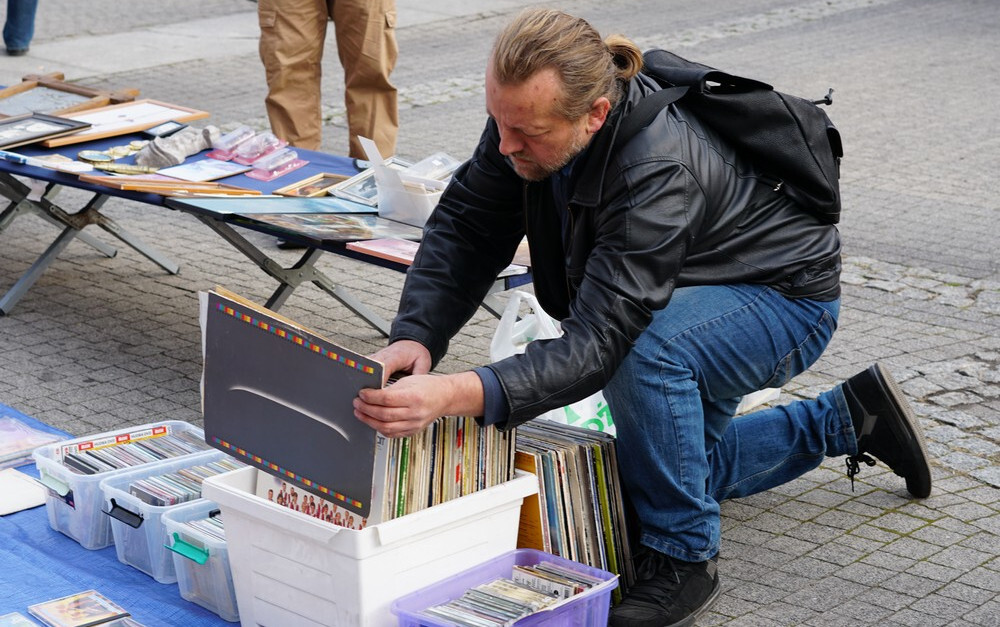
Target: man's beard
x=540 y=171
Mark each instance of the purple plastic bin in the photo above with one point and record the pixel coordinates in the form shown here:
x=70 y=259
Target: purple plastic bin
x=587 y=609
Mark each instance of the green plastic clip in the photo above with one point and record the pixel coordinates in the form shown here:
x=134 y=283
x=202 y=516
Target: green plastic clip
x=193 y=553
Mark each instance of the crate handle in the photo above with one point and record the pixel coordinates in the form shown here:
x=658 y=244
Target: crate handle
x=189 y=551
x=59 y=487
x=121 y=514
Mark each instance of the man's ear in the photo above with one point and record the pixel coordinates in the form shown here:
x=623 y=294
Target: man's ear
x=598 y=114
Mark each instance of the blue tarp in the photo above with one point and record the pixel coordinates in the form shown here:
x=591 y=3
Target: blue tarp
x=38 y=563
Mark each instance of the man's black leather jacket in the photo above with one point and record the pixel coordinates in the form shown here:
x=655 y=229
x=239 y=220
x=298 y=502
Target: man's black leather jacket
x=673 y=207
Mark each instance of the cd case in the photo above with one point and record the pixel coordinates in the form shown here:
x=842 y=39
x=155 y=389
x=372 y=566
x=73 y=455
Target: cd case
x=83 y=609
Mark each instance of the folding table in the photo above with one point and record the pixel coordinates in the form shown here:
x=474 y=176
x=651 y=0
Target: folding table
x=72 y=223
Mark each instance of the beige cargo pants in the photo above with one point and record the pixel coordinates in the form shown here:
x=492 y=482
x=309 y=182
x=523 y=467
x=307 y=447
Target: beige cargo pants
x=292 y=34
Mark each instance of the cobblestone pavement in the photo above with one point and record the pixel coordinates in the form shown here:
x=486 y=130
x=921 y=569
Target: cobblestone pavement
x=100 y=343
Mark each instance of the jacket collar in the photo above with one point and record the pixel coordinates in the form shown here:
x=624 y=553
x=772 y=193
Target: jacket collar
x=590 y=174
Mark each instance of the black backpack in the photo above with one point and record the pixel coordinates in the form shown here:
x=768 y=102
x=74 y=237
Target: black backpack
x=790 y=140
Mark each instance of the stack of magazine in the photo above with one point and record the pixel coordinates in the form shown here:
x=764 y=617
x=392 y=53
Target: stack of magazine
x=580 y=513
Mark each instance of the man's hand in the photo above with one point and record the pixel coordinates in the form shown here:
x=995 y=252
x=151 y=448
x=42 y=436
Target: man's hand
x=404 y=357
x=409 y=405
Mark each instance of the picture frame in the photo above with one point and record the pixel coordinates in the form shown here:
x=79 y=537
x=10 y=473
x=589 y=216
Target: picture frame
x=125 y=118
x=317 y=185
x=52 y=95
x=361 y=187
x=29 y=128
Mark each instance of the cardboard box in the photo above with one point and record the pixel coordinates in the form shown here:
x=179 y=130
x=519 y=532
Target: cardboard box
x=291 y=569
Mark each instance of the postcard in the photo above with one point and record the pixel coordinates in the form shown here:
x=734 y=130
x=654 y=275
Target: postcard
x=204 y=170
x=78 y=610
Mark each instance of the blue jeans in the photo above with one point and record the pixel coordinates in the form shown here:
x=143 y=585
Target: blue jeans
x=19 y=27
x=681 y=451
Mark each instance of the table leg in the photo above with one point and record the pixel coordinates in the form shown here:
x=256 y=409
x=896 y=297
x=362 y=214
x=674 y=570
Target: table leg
x=290 y=278
x=19 y=204
x=14 y=294
x=137 y=244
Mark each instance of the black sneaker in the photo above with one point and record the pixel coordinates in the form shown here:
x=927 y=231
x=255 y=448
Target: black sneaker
x=667 y=592
x=886 y=429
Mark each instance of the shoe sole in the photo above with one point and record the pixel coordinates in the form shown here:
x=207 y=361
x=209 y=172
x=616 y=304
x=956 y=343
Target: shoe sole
x=907 y=429
x=690 y=620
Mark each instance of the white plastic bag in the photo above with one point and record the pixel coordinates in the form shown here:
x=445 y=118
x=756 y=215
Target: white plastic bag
x=512 y=337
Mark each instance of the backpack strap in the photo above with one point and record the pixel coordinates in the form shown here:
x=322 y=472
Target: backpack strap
x=644 y=112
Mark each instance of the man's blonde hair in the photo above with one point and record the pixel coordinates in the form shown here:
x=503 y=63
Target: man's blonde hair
x=589 y=67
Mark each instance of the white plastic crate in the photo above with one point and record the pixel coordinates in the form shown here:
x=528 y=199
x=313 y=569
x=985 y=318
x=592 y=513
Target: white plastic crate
x=291 y=569
x=201 y=561
x=74 y=500
x=136 y=526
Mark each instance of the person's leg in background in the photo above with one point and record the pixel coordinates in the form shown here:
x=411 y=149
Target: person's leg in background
x=19 y=27
x=292 y=34
x=366 y=45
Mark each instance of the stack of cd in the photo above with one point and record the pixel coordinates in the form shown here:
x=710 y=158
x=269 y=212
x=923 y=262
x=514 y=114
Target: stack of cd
x=502 y=601
x=133 y=452
x=181 y=486
x=211 y=526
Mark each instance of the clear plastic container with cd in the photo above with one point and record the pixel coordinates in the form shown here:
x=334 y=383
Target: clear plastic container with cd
x=73 y=469
x=137 y=500
x=196 y=538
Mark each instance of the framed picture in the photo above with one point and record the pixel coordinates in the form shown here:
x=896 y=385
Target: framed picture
x=317 y=185
x=361 y=187
x=50 y=94
x=29 y=128
x=124 y=118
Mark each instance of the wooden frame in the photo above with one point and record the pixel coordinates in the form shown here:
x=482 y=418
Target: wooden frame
x=124 y=118
x=67 y=97
x=157 y=184
x=33 y=127
x=317 y=185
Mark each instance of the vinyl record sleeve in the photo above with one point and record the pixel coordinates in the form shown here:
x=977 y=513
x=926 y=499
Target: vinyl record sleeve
x=280 y=398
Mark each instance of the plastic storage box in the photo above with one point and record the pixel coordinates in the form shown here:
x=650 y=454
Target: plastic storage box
x=201 y=561
x=587 y=609
x=136 y=526
x=291 y=569
x=74 y=500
